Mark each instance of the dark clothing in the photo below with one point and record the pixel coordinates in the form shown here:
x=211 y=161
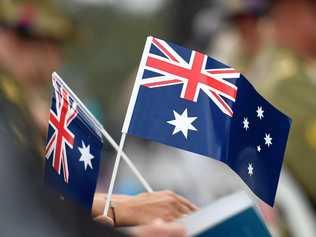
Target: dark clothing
x=27 y=207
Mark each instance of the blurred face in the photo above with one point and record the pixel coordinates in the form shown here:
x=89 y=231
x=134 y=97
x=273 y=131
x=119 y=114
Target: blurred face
x=295 y=25
x=247 y=25
x=38 y=59
x=30 y=60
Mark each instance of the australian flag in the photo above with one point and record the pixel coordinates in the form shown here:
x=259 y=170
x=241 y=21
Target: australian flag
x=73 y=148
x=185 y=99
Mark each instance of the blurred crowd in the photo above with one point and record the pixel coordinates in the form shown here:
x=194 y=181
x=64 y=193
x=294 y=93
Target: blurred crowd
x=96 y=47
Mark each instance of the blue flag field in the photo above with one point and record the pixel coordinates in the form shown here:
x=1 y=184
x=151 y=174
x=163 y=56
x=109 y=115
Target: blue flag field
x=185 y=99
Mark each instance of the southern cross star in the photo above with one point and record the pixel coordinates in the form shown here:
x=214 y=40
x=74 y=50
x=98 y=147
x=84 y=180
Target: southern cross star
x=268 y=139
x=182 y=123
x=260 y=112
x=258 y=148
x=86 y=156
x=250 y=169
x=246 y=123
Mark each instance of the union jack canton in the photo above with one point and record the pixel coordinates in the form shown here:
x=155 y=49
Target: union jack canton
x=66 y=112
x=195 y=73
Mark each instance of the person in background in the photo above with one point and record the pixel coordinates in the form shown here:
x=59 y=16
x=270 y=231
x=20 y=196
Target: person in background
x=284 y=72
x=28 y=209
x=31 y=48
x=286 y=64
x=31 y=36
x=276 y=52
x=242 y=37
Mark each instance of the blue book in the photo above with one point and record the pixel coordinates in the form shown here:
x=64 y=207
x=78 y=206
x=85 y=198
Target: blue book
x=234 y=215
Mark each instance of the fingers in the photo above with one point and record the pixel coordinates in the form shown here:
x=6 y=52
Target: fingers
x=160 y=229
x=184 y=211
x=181 y=200
x=187 y=203
x=175 y=206
x=173 y=213
x=184 y=205
x=169 y=229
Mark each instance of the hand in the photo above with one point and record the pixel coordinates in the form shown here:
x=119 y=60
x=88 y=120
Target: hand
x=159 y=229
x=146 y=207
x=104 y=220
x=99 y=204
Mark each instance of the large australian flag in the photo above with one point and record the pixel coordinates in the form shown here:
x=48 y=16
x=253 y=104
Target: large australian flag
x=185 y=99
x=73 y=149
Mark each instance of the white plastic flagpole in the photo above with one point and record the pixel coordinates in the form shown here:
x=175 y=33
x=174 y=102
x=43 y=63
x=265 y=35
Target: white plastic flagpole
x=126 y=124
x=114 y=174
x=128 y=161
x=106 y=135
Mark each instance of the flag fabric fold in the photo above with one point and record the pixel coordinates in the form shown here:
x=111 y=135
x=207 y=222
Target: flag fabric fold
x=185 y=99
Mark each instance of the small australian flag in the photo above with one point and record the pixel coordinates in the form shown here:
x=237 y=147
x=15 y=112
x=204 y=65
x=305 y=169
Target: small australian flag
x=73 y=149
x=185 y=99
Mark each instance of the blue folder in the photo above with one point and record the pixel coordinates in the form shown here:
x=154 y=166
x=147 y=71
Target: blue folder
x=231 y=216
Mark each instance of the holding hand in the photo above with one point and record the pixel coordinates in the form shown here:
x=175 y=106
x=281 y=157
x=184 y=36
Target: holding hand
x=144 y=208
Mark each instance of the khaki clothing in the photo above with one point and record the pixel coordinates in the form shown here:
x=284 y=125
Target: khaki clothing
x=284 y=79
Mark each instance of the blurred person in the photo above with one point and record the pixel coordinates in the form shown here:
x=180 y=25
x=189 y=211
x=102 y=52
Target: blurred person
x=284 y=72
x=31 y=34
x=30 y=38
x=27 y=209
x=282 y=69
x=30 y=49
x=286 y=36
x=241 y=39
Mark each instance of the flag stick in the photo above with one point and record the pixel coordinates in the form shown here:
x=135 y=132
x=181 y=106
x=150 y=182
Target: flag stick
x=106 y=135
x=125 y=126
x=114 y=174
x=128 y=161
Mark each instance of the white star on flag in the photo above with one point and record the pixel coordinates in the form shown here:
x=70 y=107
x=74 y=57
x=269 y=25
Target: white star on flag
x=258 y=148
x=250 y=169
x=268 y=139
x=260 y=112
x=182 y=123
x=86 y=156
x=246 y=123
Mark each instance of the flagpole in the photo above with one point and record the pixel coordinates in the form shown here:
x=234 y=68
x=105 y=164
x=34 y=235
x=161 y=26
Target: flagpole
x=128 y=161
x=114 y=174
x=126 y=124
x=106 y=135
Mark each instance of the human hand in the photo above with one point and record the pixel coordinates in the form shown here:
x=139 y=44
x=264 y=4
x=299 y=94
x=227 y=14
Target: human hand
x=104 y=220
x=146 y=207
x=99 y=204
x=159 y=229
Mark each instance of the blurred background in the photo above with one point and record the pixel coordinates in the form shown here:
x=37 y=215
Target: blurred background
x=96 y=45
